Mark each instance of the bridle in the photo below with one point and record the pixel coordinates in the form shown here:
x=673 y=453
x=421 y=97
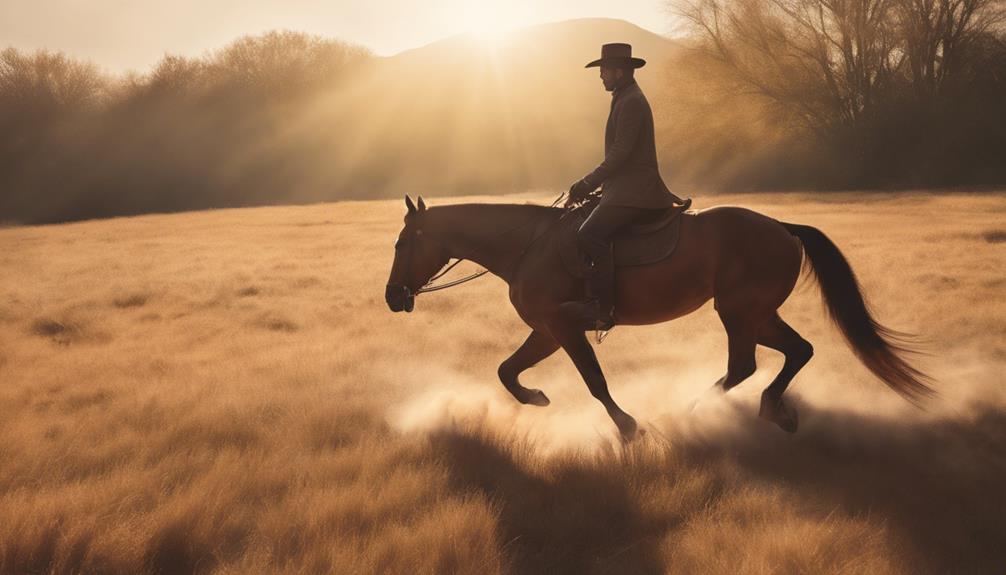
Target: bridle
x=428 y=287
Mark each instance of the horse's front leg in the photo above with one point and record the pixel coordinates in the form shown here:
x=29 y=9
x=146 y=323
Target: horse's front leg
x=574 y=341
x=535 y=348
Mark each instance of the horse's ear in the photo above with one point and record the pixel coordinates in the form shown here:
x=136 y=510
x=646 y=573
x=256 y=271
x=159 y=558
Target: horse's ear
x=409 y=204
x=422 y=204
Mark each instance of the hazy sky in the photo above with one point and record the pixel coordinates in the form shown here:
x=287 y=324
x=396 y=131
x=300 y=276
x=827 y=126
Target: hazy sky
x=133 y=34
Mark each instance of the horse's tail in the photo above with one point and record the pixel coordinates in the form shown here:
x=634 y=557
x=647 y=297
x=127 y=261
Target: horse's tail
x=876 y=346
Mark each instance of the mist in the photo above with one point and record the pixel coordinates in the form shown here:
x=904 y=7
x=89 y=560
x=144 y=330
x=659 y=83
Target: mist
x=286 y=117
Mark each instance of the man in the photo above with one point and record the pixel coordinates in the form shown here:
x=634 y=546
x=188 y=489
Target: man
x=632 y=187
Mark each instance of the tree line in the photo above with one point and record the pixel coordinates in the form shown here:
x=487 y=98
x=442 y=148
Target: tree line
x=193 y=133
x=762 y=95
x=850 y=93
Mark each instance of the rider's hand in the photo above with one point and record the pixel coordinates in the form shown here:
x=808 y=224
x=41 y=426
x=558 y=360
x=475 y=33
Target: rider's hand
x=577 y=192
x=570 y=200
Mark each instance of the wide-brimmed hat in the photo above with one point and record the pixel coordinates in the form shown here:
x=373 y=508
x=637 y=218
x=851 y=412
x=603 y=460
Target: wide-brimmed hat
x=617 y=56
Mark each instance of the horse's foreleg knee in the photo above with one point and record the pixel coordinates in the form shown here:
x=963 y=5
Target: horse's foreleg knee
x=537 y=347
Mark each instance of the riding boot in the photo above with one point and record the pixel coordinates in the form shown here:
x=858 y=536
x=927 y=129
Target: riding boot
x=596 y=310
x=601 y=291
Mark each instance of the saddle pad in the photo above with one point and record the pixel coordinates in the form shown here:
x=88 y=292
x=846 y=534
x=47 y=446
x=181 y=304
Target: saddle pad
x=634 y=246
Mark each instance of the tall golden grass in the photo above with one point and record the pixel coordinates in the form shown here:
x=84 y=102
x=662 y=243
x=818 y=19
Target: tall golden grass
x=226 y=392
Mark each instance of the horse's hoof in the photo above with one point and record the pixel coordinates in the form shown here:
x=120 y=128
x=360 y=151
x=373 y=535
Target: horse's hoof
x=777 y=411
x=628 y=429
x=628 y=437
x=535 y=397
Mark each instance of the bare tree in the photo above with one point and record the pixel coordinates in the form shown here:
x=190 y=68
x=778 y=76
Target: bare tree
x=935 y=33
x=827 y=59
x=47 y=79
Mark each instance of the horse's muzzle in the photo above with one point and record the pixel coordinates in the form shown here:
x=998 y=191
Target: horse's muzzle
x=399 y=298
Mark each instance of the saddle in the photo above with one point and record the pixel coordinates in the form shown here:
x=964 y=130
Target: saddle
x=637 y=244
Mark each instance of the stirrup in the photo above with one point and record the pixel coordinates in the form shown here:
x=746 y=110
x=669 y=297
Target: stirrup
x=600 y=334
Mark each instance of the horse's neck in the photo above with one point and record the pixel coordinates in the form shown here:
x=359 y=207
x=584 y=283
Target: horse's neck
x=491 y=235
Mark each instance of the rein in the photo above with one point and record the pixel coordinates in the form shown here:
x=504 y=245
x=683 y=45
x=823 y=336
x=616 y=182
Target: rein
x=428 y=288
x=431 y=288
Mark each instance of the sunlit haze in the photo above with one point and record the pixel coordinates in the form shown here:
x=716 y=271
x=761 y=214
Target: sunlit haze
x=135 y=35
x=232 y=338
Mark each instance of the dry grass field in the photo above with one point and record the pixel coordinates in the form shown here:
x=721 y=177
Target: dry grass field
x=227 y=392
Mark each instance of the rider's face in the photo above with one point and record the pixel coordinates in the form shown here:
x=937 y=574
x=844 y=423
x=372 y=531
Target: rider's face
x=610 y=76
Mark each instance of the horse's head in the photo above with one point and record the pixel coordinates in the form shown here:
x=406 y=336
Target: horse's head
x=417 y=259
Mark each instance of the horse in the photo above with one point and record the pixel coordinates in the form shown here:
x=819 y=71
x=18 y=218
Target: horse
x=746 y=262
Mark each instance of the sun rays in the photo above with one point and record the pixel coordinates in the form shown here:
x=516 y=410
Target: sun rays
x=488 y=21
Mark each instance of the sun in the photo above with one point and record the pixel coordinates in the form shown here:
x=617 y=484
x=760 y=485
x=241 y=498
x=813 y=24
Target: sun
x=489 y=21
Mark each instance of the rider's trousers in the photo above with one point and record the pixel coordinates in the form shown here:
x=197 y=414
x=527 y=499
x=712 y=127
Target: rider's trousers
x=596 y=232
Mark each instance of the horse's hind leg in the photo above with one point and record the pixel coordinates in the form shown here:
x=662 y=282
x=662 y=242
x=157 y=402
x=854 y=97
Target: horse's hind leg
x=741 y=339
x=535 y=348
x=778 y=335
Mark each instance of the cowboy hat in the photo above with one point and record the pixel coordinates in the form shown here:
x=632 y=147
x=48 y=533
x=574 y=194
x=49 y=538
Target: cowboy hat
x=617 y=56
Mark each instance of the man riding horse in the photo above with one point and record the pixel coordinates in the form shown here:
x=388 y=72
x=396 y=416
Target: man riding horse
x=632 y=189
x=746 y=262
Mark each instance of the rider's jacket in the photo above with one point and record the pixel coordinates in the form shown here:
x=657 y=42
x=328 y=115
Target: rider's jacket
x=629 y=175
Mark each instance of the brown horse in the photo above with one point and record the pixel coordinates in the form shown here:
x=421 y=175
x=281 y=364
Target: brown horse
x=747 y=262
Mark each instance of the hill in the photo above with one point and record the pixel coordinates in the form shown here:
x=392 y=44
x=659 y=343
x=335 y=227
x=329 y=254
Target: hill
x=468 y=115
